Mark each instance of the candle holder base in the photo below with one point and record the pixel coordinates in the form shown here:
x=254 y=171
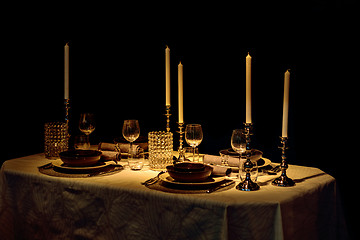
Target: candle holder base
x=283 y=181
x=248 y=185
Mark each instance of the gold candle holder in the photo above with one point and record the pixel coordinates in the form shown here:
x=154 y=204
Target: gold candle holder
x=167 y=114
x=248 y=184
x=181 y=157
x=67 y=107
x=283 y=180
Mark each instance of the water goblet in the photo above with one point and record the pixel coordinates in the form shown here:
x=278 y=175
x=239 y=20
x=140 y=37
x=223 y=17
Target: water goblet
x=193 y=136
x=87 y=124
x=238 y=141
x=131 y=132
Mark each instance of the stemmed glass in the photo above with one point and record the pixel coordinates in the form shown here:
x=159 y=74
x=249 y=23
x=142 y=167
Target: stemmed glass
x=131 y=131
x=238 y=141
x=87 y=124
x=193 y=136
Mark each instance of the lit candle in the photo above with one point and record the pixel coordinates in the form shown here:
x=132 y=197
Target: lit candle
x=180 y=93
x=167 y=75
x=286 y=104
x=66 y=71
x=248 y=88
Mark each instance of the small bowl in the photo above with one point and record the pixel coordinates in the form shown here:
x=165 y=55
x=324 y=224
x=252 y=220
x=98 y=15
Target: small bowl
x=189 y=167
x=80 y=158
x=197 y=176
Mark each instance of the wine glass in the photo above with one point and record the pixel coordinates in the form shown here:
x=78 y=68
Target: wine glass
x=238 y=141
x=87 y=124
x=193 y=136
x=131 y=131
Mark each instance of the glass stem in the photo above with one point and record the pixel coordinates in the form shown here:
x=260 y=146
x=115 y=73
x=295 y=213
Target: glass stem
x=88 y=140
x=194 y=154
x=130 y=151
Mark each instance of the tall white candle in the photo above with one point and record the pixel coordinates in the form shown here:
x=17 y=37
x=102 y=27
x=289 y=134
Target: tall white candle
x=167 y=75
x=286 y=104
x=248 y=88
x=180 y=93
x=66 y=71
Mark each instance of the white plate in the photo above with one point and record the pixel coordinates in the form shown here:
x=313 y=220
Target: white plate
x=60 y=164
x=166 y=178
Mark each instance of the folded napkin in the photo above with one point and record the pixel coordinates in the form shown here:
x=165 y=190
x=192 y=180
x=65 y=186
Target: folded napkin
x=119 y=147
x=216 y=160
x=221 y=170
x=110 y=155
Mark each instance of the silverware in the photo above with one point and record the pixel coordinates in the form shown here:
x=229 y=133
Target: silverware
x=47 y=166
x=152 y=180
x=223 y=185
x=117 y=167
x=273 y=171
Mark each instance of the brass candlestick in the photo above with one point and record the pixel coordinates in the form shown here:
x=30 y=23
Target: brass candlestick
x=167 y=114
x=181 y=157
x=67 y=107
x=248 y=184
x=283 y=180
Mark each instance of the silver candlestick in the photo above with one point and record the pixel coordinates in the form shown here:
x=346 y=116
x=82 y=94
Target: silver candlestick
x=283 y=180
x=181 y=157
x=167 y=114
x=248 y=184
x=67 y=107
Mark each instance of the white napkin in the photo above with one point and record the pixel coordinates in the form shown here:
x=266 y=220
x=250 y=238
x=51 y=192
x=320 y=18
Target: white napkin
x=215 y=163
x=216 y=160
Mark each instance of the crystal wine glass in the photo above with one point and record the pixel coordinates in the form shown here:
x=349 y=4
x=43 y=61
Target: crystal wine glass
x=238 y=141
x=193 y=136
x=87 y=124
x=131 y=131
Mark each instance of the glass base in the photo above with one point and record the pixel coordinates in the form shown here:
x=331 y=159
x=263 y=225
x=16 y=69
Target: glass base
x=248 y=185
x=283 y=181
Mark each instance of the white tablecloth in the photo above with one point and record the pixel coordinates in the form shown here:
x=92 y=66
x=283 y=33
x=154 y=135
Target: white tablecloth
x=37 y=206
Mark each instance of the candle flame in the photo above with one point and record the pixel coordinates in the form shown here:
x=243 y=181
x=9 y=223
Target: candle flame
x=67 y=44
x=248 y=54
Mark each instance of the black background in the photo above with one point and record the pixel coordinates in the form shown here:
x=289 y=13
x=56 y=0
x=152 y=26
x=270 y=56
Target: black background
x=117 y=71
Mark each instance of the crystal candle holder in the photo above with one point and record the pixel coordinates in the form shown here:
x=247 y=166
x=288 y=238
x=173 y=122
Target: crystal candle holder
x=160 y=149
x=56 y=139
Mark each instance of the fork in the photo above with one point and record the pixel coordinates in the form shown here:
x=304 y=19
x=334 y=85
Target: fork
x=152 y=180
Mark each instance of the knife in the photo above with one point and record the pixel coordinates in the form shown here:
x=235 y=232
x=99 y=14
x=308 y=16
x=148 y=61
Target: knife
x=224 y=184
x=115 y=169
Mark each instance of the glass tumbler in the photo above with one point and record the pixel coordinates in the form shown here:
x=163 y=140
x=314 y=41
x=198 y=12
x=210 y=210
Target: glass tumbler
x=160 y=149
x=56 y=139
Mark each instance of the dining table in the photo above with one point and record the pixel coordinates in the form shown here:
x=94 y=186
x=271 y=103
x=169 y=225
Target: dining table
x=35 y=205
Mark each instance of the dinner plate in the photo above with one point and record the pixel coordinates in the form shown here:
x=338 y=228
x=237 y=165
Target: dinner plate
x=60 y=165
x=165 y=177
